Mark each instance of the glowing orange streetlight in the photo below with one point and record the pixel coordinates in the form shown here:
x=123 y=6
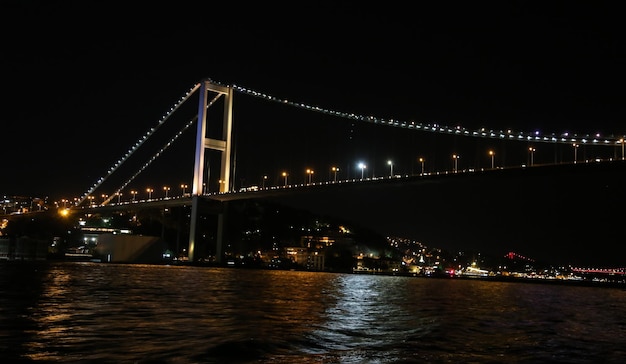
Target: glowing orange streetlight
x=335 y=170
x=310 y=172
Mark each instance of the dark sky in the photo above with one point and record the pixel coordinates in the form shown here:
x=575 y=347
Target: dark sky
x=82 y=81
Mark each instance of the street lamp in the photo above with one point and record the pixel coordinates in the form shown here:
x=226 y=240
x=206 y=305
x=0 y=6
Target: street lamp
x=455 y=157
x=362 y=166
x=532 y=155
x=263 y=182
x=167 y=190
x=390 y=163
x=134 y=193
x=104 y=197
x=575 y=152
x=622 y=141
x=285 y=176
x=335 y=170
x=310 y=173
x=183 y=187
x=149 y=190
x=422 y=163
x=119 y=196
x=492 y=154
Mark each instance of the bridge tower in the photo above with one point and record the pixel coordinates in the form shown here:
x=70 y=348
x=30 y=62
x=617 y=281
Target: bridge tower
x=203 y=143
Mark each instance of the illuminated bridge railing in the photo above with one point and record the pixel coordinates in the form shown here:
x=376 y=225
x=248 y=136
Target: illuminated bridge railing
x=605 y=271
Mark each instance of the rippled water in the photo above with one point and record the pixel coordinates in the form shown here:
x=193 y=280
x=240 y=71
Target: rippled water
x=95 y=312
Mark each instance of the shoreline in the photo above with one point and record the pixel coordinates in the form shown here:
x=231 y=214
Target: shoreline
x=566 y=282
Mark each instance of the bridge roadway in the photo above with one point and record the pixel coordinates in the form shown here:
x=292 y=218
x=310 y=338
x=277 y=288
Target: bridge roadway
x=563 y=211
x=458 y=181
x=294 y=189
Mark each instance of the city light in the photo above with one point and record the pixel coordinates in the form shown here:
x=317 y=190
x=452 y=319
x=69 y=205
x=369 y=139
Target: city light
x=362 y=166
x=335 y=170
x=456 y=157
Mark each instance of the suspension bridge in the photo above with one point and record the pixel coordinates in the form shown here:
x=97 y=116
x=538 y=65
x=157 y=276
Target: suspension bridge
x=221 y=172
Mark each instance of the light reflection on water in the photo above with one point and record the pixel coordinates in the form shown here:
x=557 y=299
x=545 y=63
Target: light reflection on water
x=86 y=312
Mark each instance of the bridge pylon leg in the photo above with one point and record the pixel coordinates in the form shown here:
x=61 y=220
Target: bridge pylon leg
x=221 y=232
x=192 y=228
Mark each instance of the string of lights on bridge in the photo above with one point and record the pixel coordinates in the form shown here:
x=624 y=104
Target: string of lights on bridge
x=536 y=136
x=141 y=141
x=138 y=144
x=436 y=128
x=605 y=271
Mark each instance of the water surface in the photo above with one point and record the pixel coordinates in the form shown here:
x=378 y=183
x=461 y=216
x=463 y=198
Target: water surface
x=114 y=313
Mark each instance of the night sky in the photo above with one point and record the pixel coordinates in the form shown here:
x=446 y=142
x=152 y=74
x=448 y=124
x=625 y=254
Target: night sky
x=82 y=81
